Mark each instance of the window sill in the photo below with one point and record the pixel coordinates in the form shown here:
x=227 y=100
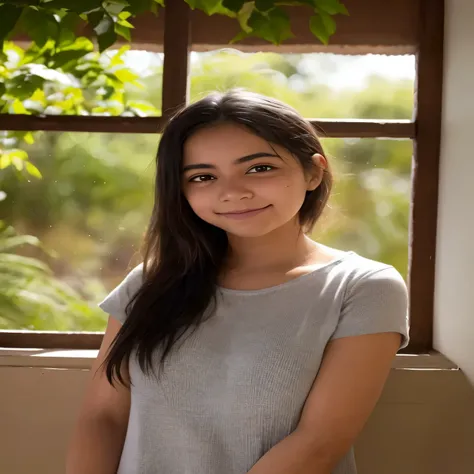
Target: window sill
x=83 y=359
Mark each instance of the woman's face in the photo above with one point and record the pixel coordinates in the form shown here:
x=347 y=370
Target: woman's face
x=227 y=170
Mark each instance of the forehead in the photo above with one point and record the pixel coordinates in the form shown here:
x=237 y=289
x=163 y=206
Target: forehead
x=223 y=140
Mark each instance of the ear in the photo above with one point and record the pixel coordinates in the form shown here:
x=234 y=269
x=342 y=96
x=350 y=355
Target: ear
x=320 y=164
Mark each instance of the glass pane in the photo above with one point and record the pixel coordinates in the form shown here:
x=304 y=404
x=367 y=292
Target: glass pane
x=77 y=80
x=91 y=207
x=89 y=211
x=370 y=205
x=318 y=85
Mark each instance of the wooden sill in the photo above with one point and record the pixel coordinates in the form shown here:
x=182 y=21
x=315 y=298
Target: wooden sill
x=82 y=359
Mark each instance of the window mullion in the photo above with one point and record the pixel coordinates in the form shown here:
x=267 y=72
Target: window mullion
x=177 y=39
x=423 y=222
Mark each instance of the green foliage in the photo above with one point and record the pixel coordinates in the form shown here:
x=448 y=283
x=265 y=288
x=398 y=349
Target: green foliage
x=66 y=77
x=322 y=26
x=56 y=20
x=31 y=295
x=70 y=79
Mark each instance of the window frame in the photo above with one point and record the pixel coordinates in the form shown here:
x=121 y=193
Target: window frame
x=424 y=37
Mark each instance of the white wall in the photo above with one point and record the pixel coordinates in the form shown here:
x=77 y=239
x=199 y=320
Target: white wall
x=454 y=296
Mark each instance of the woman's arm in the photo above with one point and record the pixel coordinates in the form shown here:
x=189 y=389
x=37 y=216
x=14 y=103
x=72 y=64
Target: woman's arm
x=351 y=378
x=97 y=440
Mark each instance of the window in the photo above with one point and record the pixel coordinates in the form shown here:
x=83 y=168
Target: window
x=89 y=211
x=407 y=211
x=322 y=85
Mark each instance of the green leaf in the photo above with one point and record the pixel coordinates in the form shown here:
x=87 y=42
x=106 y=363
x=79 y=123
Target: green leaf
x=67 y=27
x=244 y=15
x=32 y=170
x=124 y=15
x=114 y=8
x=321 y=27
x=62 y=58
x=125 y=75
x=141 y=108
x=264 y=5
x=80 y=43
x=5 y=160
x=207 y=6
x=332 y=7
x=13 y=242
x=123 y=31
x=95 y=16
x=17 y=107
x=117 y=58
x=40 y=26
x=17 y=158
x=328 y=22
x=17 y=163
x=29 y=138
x=2 y=89
x=105 y=32
x=19 y=154
x=274 y=27
x=240 y=36
x=24 y=85
x=233 y=5
x=9 y=16
x=125 y=23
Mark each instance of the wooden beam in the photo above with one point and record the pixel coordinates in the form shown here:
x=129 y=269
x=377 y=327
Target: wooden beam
x=370 y=23
x=175 y=64
x=373 y=25
x=51 y=340
x=81 y=123
x=364 y=128
x=424 y=207
x=71 y=123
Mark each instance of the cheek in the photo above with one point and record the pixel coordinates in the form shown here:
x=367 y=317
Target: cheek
x=290 y=191
x=198 y=200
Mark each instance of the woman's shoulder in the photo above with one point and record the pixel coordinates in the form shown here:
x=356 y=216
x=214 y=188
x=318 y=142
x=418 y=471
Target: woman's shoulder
x=116 y=301
x=349 y=261
x=364 y=272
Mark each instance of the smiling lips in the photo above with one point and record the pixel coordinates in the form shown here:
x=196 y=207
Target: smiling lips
x=244 y=214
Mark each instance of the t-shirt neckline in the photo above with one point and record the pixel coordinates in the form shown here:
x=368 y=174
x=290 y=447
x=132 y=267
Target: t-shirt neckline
x=289 y=282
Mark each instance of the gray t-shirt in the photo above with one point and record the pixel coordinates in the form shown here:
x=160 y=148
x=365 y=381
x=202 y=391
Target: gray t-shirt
x=237 y=386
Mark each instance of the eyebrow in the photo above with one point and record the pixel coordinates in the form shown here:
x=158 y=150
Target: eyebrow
x=240 y=160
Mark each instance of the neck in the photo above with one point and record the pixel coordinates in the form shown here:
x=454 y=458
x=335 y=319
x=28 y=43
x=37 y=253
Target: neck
x=285 y=246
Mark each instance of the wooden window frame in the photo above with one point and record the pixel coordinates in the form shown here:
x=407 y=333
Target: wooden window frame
x=425 y=39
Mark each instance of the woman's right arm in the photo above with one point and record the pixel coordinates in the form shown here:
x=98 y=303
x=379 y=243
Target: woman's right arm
x=99 y=434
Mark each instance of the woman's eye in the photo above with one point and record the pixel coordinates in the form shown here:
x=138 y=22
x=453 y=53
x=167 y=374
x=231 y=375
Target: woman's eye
x=261 y=168
x=201 y=178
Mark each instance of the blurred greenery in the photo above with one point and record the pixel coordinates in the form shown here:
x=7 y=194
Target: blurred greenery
x=86 y=214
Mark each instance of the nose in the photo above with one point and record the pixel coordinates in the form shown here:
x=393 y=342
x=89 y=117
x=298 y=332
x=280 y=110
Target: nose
x=234 y=190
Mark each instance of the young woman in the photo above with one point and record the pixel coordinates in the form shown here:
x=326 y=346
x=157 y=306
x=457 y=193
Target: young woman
x=239 y=345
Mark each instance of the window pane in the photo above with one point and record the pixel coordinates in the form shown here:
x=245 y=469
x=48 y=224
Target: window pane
x=91 y=208
x=89 y=211
x=370 y=205
x=318 y=85
x=80 y=81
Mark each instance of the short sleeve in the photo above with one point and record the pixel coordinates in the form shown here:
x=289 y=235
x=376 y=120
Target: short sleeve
x=376 y=302
x=116 y=301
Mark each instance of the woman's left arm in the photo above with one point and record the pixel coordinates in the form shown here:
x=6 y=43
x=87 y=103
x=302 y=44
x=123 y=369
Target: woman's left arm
x=349 y=383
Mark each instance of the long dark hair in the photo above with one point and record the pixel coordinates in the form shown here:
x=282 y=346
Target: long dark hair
x=182 y=254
